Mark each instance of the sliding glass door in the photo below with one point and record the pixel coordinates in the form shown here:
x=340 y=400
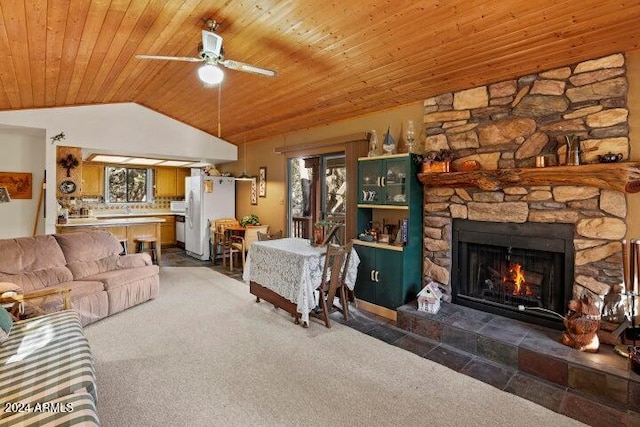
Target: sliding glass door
x=317 y=191
x=301 y=180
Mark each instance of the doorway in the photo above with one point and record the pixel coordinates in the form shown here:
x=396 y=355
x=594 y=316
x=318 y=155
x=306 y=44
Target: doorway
x=317 y=191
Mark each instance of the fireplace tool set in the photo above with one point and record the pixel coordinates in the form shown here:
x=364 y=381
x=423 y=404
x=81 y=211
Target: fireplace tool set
x=631 y=272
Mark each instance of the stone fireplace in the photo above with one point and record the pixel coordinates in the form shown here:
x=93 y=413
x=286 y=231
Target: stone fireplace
x=504 y=127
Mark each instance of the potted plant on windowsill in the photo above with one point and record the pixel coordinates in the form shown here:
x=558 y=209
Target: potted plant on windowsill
x=437 y=161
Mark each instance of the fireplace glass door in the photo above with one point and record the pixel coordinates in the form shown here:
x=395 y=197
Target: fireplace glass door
x=512 y=276
x=522 y=271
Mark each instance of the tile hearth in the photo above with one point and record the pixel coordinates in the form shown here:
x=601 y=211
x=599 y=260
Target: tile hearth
x=521 y=352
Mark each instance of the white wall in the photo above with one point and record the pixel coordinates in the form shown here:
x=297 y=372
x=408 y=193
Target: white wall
x=23 y=150
x=126 y=128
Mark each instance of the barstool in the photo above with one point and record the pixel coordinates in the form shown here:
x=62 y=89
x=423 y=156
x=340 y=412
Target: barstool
x=123 y=243
x=152 y=248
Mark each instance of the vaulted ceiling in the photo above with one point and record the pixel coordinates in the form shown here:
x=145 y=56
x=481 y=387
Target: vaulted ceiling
x=335 y=59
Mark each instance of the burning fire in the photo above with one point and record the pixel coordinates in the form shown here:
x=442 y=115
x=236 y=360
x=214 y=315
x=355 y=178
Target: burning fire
x=515 y=275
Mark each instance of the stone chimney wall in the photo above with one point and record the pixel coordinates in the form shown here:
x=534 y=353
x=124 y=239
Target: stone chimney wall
x=506 y=125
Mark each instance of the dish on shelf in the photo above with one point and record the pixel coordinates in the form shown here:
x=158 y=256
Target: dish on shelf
x=469 y=165
x=67 y=187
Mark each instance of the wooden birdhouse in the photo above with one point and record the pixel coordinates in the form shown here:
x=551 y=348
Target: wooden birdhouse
x=429 y=298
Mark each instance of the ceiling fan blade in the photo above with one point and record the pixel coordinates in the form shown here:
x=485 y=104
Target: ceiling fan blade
x=241 y=66
x=171 y=58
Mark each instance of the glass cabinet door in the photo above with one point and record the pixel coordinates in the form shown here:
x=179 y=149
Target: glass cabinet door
x=396 y=173
x=370 y=182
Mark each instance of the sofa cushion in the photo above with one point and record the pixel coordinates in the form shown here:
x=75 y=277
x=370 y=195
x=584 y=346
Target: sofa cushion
x=79 y=288
x=40 y=279
x=33 y=263
x=115 y=278
x=89 y=253
x=26 y=254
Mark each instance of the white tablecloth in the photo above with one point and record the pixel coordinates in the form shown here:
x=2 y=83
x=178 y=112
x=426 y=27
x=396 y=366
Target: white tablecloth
x=292 y=268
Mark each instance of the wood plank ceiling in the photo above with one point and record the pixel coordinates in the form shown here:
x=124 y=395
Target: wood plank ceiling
x=335 y=59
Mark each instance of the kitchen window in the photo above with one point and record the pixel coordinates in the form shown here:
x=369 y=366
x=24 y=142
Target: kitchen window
x=128 y=185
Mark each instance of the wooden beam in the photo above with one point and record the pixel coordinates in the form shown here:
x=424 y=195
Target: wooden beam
x=335 y=141
x=623 y=177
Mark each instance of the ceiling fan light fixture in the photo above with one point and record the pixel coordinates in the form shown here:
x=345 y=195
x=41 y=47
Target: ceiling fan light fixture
x=210 y=74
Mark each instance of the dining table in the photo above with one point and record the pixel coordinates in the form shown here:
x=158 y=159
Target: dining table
x=287 y=273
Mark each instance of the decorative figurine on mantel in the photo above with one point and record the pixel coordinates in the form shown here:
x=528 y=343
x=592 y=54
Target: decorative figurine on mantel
x=389 y=144
x=373 y=144
x=409 y=137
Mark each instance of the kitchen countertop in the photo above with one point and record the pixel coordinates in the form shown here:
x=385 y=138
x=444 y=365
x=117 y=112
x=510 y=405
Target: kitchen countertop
x=106 y=222
x=133 y=213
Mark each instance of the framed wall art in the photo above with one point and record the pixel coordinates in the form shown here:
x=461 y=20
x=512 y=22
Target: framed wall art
x=262 y=181
x=254 y=192
x=19 y=184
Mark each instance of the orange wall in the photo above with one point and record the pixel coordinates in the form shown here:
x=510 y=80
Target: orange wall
x=272 y=210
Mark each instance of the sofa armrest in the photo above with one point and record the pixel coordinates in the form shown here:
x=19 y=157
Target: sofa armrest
x=134 y=260
x=10 y=287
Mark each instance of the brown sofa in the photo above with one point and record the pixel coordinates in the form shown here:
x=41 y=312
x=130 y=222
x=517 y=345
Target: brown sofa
x=101 y=281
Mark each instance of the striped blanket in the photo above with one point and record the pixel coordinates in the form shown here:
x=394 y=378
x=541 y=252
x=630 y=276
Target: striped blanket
x=44 y=365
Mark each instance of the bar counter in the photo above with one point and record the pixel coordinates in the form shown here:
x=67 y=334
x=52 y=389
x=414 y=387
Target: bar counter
x=123 y=228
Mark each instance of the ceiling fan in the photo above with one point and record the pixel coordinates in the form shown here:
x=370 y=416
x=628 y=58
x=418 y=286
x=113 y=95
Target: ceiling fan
x=210 y=52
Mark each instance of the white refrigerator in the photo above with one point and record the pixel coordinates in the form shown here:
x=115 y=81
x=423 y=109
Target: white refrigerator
x=207 y=197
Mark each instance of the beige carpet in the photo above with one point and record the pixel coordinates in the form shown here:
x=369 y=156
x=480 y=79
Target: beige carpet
x=205 y=354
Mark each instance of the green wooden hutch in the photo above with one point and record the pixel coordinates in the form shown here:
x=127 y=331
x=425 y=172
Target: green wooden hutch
x=389 y=275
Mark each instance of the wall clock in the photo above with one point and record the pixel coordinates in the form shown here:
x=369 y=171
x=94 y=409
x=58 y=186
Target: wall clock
x=67 y=187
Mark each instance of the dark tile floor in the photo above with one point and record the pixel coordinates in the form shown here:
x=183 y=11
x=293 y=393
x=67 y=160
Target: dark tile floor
x=498 y=367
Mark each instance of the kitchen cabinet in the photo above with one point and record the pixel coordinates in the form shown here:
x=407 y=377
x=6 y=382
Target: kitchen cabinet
x=170 y=181
x=181 y=174
x=165 y=180
x=168 y=230
x=92 y=179
x=389 y=275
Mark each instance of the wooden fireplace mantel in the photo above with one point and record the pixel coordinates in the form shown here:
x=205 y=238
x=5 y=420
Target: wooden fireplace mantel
x=623 y=177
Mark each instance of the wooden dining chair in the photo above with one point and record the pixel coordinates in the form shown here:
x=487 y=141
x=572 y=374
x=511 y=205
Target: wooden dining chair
x=267 y=236
x=345 y=294
x=251 y=236
x=230 y=245
x=331 y=234
x=216 y=236
x=330 y=285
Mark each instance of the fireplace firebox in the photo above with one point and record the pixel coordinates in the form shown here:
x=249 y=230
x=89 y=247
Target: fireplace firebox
x=523 y=271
